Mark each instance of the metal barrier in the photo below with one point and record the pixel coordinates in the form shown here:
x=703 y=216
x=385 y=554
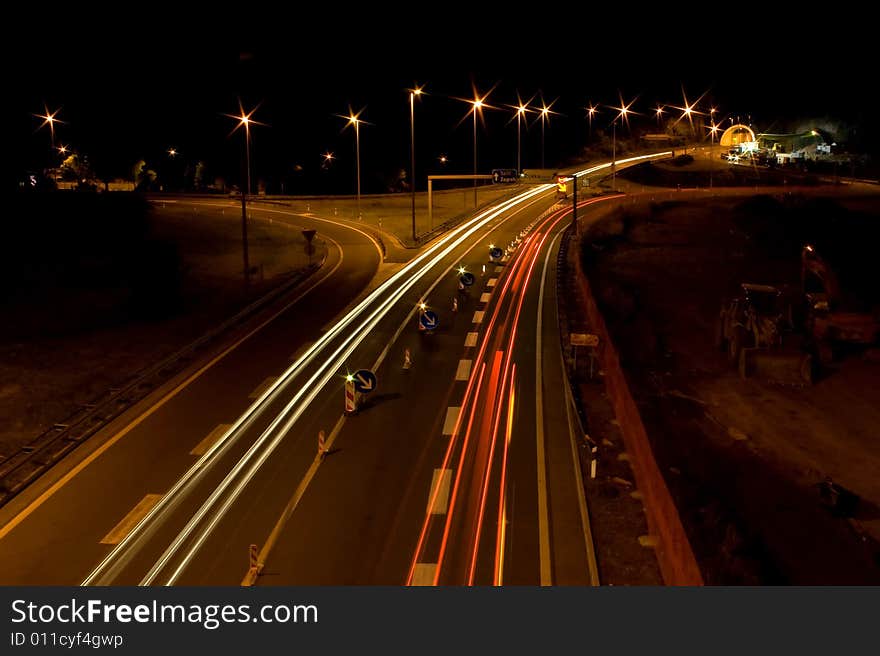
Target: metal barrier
x=30 y=461
x=678 y=565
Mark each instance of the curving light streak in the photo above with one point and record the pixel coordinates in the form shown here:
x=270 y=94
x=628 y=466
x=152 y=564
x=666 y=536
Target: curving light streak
x=502 y=504
x=423 y=263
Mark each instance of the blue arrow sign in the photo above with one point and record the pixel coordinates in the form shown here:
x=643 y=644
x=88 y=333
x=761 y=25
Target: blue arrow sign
x=467 y=279
x=364 y=381
x=429 y=320
x=496 y=253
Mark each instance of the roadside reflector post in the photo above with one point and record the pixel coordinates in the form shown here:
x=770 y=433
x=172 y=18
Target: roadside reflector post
x=407 y=360
x=350 y=398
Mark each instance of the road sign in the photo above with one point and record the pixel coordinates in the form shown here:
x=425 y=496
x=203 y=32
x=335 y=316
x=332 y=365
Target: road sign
x=504 y=175
x=584 y=339
x=364 y=381
x=467 y=278
x=428 y=320
x=496 y=253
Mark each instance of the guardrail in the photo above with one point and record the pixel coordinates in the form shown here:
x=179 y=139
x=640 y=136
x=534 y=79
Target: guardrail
x=678 y=565
x=30 y=461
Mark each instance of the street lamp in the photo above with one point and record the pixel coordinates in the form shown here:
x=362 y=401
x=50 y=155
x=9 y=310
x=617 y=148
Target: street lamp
x=415 y=91
x=659 y=114
x=623 y=112
x=478 y=104
x=520 y=110
x=244 y=120
x=591 y=109
x=545 y=116
x=712 y=130
x=355 y=120
x=50 y=120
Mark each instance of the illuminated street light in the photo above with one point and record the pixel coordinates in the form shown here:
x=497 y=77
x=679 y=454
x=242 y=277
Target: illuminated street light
x=355 y=120
x=478 y=104
x=415 y=91
x=591 y=109
x=520 y=110
x=245 y=119
x=712 y=131
x=172 y=153
x=544 y=113
x=659 y=114
x=623 y=112
x=328 y=158
x=50 y=120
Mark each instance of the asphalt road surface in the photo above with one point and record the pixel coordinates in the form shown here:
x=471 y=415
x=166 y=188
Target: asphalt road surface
x=460 y=469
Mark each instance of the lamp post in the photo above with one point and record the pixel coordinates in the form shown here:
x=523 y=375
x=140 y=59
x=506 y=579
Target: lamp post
x=355 y=120
x=712 y=130
x=519 y=112
x=244 y=120
x=591 y=109
x=415 y=91
x=622 y=113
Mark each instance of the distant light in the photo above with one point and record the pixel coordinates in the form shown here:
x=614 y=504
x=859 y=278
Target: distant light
x=461 y=270
x=349 y=378
x=423 y=306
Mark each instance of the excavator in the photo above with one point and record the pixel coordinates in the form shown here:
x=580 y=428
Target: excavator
x=757 y=330
x=832 y=319
x=771 y=333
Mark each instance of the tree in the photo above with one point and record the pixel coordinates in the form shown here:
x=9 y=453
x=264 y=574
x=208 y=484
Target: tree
x=143 y=177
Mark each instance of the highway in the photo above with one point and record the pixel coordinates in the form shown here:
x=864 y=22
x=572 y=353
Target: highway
x=458 y=470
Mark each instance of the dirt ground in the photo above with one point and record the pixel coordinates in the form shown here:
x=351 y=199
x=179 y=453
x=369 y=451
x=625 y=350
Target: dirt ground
x=62 y=345
x=743 y=458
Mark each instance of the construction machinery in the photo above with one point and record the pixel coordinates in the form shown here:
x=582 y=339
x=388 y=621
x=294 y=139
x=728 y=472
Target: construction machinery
x=832 y=318
x=757 y=330
x=782 y=335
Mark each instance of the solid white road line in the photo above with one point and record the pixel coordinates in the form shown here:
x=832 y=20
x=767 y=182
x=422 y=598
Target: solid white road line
x=464 y=370
x=451 y=417
x=543 y=513
x=131 y=519
x=208 y=442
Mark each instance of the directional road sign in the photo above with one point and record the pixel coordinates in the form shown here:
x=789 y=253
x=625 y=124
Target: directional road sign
x=467 y=279
x=428 y=320
x=496 y=253
x=364 y=381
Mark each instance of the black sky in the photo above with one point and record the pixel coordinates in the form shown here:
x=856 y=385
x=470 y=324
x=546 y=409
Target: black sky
x=132 y=85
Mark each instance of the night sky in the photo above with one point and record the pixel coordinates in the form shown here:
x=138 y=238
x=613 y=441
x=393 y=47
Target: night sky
x=132 y=88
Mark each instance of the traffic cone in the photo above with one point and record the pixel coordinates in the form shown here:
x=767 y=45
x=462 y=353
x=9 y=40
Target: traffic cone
x=322 y=449
x=407 y=361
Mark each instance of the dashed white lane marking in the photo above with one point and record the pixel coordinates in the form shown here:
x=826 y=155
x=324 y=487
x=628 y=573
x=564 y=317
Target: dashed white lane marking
x=208 y=442
x=451 y=417
x=491 y=282
x=485 y=297
x=499 y=269
x=439 y=491
x=423 y=574
x=471 y=339
x=464 y=370
x=128 y=522
x=305 y=347
x=266 y=384
x=478 y=316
